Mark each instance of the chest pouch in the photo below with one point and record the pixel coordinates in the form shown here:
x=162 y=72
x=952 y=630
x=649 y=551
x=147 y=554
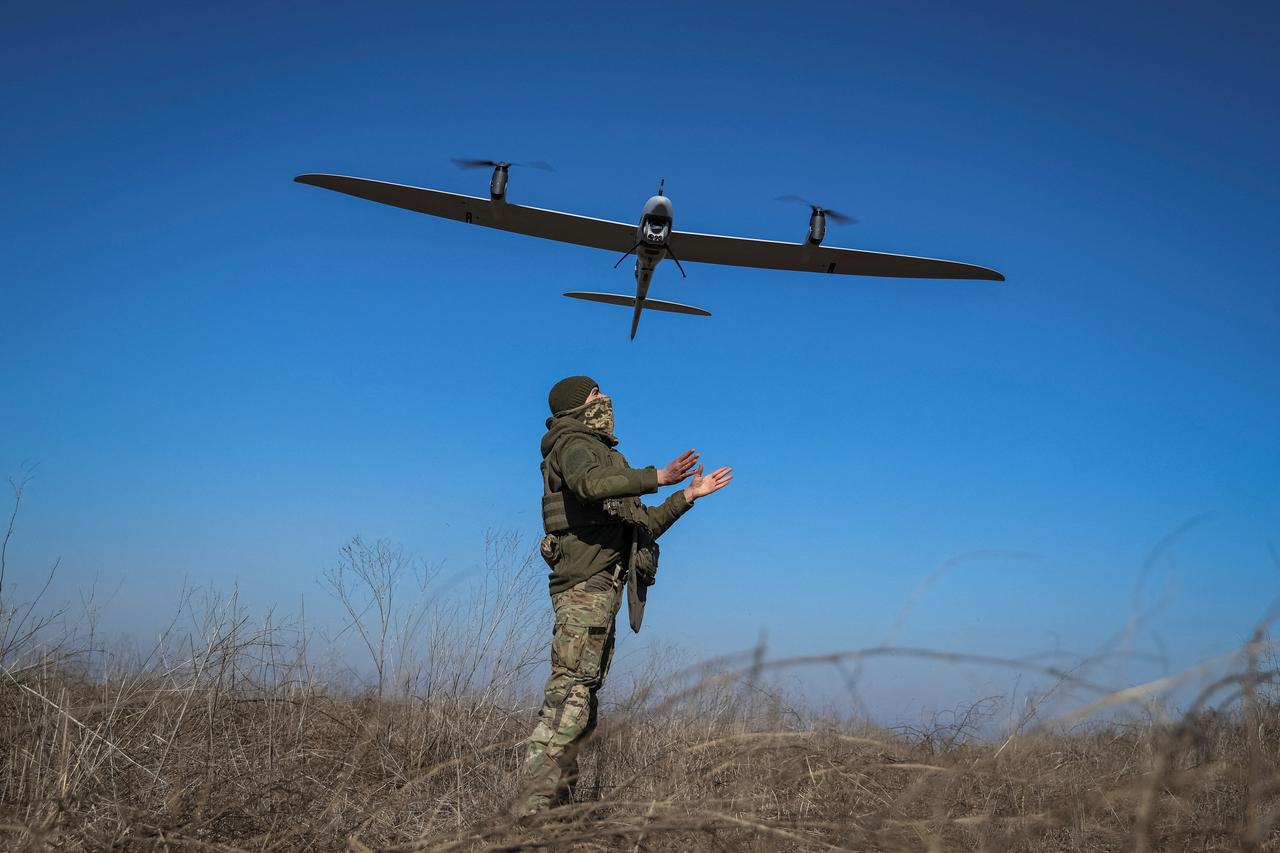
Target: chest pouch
x=550 y=549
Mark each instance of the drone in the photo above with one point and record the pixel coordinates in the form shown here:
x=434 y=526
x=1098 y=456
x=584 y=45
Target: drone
x=651 y=241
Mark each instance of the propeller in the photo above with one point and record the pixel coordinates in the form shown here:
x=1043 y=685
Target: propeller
x=833 y=215
x=465 y=163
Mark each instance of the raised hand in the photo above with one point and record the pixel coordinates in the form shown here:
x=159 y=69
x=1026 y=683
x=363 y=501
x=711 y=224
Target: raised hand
x=678 y=468
x=701 y=486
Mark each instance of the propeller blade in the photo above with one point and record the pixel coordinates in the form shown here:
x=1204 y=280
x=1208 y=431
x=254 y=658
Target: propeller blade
x=834 y=215
x=464 y=163
x=467 y=163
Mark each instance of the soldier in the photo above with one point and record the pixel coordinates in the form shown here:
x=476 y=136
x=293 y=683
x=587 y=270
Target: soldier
x=600 y=538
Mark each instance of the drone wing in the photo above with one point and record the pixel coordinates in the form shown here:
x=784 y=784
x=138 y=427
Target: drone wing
x=803 y=257
x=534 y=221
x=620 y=236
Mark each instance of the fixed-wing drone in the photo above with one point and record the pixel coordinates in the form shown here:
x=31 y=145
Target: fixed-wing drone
x=653 y=240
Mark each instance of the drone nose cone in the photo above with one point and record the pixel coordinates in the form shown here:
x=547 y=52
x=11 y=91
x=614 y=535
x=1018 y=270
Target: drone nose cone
x=658 y=205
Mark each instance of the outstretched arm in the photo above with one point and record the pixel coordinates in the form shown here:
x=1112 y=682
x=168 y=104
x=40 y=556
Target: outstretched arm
x=664 y=515
x=591 y=478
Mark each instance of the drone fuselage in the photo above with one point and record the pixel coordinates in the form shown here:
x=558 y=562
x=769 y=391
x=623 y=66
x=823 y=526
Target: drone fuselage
x=651 y=247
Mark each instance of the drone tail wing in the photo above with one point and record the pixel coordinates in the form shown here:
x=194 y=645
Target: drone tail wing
x=647 y=304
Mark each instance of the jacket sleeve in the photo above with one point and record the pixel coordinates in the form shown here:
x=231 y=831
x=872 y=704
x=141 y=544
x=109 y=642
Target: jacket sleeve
x=591 y=479
x=662 y=516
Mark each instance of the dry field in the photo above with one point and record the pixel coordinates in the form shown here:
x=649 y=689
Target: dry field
x=209 y=759
x=235 y=733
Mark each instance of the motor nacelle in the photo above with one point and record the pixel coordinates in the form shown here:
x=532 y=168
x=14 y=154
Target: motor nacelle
x=817 y=226
x=655 y=230
x=498 y=183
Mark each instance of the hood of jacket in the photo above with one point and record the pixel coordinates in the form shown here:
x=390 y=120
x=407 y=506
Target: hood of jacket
x=562 y=425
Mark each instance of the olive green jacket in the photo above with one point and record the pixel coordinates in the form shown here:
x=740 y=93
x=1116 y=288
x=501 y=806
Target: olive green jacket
x=578 y=459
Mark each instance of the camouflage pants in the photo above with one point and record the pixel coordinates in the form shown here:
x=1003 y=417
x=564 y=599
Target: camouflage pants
x=581 y=651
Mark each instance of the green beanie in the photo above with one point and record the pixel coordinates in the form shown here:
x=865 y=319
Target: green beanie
x=570 y=393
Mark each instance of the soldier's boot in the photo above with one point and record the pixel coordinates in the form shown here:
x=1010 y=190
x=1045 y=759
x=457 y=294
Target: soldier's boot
x=551 y=762
x=541 y=775
x=529 y=806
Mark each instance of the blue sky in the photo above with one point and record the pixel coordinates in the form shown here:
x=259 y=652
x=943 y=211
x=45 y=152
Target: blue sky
x=224 y=375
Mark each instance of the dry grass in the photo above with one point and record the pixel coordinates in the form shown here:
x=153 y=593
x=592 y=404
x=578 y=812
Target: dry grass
x=238 y=745
x=226 y=736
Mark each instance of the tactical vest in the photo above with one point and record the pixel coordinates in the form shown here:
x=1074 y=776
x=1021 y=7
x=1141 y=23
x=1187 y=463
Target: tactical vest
x=561 y=510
